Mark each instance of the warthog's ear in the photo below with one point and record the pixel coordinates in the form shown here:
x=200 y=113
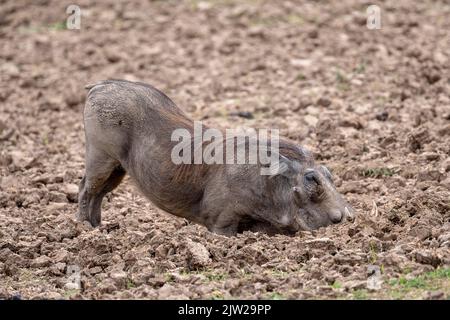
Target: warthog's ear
x=285 y=167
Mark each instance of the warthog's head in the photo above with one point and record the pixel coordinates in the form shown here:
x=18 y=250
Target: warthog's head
x=319 y=203
x=311 y=197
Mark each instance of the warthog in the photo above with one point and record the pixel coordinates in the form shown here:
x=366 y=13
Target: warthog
x=128 y=128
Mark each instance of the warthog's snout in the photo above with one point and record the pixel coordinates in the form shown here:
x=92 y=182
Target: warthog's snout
x=338 y=216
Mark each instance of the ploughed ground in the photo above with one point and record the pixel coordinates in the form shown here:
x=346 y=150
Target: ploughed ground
x=373 y=105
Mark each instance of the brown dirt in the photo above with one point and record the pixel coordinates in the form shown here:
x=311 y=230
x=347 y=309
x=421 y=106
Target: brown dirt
x=374 y=105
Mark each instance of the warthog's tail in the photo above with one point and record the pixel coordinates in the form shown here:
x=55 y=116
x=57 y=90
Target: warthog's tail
x=91 y=86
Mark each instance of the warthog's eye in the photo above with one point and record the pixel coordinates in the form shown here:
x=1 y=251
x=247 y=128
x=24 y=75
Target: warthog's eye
x=311 y=177
x=313 y=185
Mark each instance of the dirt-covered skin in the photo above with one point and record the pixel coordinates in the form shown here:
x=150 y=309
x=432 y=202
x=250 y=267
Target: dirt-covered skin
x=373 y=106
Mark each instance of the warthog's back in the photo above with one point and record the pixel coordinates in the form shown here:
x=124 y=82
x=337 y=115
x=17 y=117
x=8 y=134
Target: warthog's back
x=119 y=113
x=130 y=104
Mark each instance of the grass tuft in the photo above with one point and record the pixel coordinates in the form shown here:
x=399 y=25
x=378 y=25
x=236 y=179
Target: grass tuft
x=378 y=172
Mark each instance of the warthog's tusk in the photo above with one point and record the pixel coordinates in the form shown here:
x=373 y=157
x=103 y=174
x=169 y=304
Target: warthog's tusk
x=348 y=214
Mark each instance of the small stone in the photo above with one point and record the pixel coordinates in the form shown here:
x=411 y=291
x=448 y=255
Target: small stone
x=347 y=257
x=382 y=116
x=57 y=197
x=58 y=178
x=352 y=187
x=313 y=34
x=119 y=277
x=256 y=32
x=444 y=240
x=61 y=266
x=243 y=114
x=430 y=156
x=113 y=56
x=324 y=102
x=330 y=278
x=311 y=120
x=40 y=262
x=71 y=191
x=124 y=211
x=394 y=258
x=204 y=5
x=165 y=291
x=355 y=284
x=30 y=199
x=324 y=289
x=58 y=268
x=301 y=62
x=72 y=98
x=198 y=255
x=435 y=295
x=427 y=257
x=321 y=243
x=53 y=295
x=21 y=160
x=432 y=77
x=161 y=251
x=45 y=179
x=71 y=286
x=421 y=232
x=417 y=138
x=446 y=165
x=55 y=208
x=444 y=131
x=10 y=69
x=312 y=110
x=5 y=160
x=16 y=296
x=429 y=175
x=62 y=255
x=351 y=123
x=325 y=129
x=95 y=270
